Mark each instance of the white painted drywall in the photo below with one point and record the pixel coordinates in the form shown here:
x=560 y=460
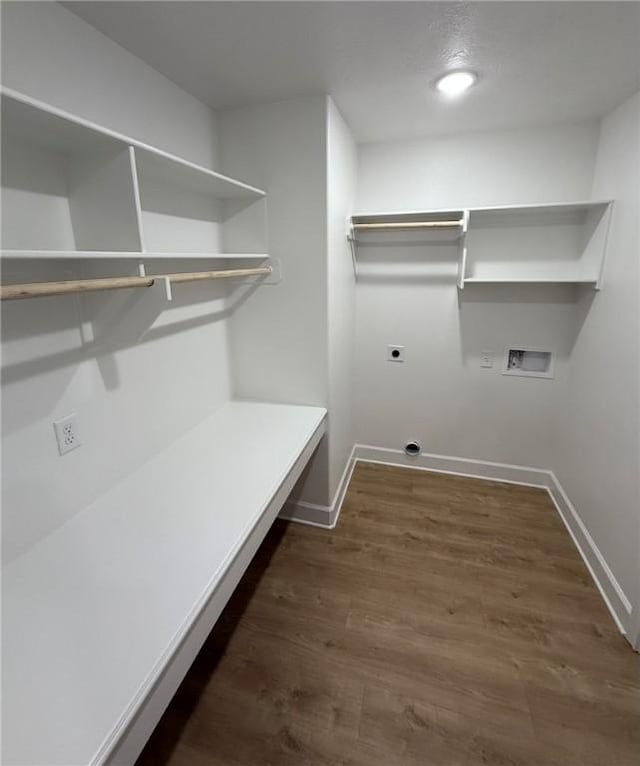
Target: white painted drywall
x=597 y=459
x=341 y=188
x=278 y=340
x=53 y=55
x=493 y=168
x=406 y=295
x=130 y=403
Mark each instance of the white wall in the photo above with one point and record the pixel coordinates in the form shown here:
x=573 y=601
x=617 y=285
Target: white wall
x=598 y=435
x=294 y=342
x=496 y=168
x=279 y=338
x=406 y=295
x=131 y=403
x=341 y=183
x=52 y=55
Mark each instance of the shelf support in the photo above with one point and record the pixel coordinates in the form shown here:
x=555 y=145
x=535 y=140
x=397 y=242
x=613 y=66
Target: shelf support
x=351 y=239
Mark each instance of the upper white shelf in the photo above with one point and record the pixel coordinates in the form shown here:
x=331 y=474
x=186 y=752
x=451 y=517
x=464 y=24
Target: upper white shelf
x=53 y=128
x=562 y=243
x=431 y=226
x=73 y=189
x=166 y=169
x=94 y=614
x=542 y=209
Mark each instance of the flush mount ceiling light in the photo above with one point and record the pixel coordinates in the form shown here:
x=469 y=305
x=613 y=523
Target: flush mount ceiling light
x=455 y=83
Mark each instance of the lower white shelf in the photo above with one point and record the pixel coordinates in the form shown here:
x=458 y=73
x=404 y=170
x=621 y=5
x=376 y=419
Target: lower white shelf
x=529 y=281
x=102 y=618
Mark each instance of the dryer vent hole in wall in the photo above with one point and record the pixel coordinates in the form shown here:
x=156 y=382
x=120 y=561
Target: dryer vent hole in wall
x=413 y=448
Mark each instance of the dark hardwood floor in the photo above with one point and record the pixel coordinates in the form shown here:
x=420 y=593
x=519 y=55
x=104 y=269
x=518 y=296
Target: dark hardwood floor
x=445 y=622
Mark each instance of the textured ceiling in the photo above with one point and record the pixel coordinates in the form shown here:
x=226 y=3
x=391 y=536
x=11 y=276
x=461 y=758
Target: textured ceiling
x=538 y=63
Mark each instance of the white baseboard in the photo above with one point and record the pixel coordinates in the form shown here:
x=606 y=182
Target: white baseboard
x=479 y=469
x=610 y=589
x=321 y=515
x=612 y=593
x=308 y=513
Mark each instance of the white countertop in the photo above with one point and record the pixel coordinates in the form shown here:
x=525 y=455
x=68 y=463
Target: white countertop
x=93 y=613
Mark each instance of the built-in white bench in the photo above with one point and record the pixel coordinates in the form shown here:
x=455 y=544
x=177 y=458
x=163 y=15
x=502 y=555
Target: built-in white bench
x=103 y=618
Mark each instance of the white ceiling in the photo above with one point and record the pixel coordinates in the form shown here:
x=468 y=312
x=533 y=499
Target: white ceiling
x=539 y=62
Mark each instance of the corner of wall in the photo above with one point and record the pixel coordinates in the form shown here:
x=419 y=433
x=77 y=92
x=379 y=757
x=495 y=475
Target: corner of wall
x=601 y=410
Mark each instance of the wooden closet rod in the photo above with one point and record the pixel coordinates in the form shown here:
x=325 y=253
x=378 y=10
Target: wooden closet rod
x=409 y=225
x=43 y=289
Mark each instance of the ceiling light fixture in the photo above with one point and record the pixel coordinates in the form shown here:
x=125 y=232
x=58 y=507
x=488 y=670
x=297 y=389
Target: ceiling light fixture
x=455 y=83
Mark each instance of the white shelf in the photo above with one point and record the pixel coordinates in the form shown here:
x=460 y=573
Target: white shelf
x=408 y=235
x=49 y=128
x=52 y=128
x=97 y=612
x=168 y=169
x=544 y=208
x=98 y=255
x=529 y=280
x=549 y=243
x=559 y=243
x=405 y=215
x=91 y=189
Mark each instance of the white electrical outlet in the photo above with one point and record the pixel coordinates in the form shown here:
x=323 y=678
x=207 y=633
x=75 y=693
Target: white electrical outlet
x=67 y=433
x=486 y=359
x=395 y=353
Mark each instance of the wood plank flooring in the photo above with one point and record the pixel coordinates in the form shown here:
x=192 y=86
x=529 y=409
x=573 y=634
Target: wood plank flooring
x=446 y=621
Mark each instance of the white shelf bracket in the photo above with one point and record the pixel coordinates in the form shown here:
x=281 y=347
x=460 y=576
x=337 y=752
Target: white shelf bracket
x=122 y=318
x=351 y=239
x=163 y=287
x=462 y=266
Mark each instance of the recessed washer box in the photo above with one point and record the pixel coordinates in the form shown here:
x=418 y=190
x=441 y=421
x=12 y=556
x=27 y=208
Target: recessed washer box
x=528 y=362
